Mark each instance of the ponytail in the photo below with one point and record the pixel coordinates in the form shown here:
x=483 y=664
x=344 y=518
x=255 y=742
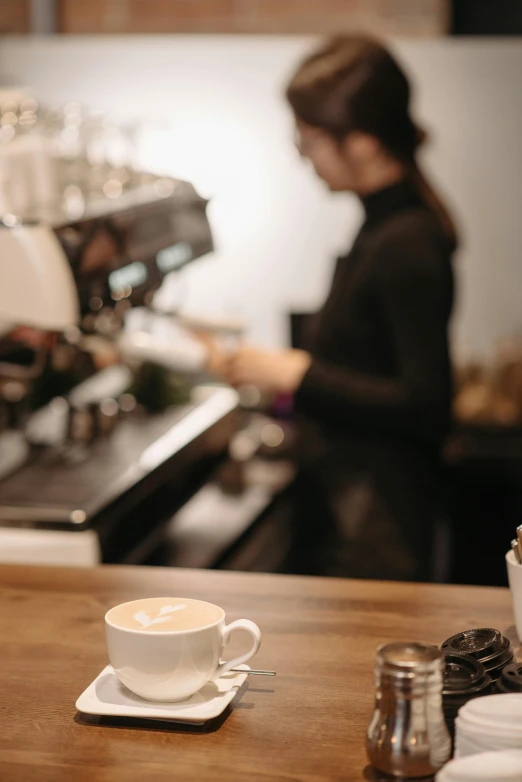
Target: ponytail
x=433 y=201
x=355 y=83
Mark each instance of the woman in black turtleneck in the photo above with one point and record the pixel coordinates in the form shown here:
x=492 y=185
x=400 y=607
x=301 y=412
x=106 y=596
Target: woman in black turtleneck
x=373 y=389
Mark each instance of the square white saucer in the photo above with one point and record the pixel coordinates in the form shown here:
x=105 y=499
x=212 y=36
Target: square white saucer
x=106 y=696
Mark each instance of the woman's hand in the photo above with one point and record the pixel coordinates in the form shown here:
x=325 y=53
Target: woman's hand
x=273 y=371
x=217 y=360
x=278 y=371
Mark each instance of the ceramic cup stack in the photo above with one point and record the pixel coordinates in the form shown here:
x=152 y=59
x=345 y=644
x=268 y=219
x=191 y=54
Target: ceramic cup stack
x=490 y=723
x=505 y=766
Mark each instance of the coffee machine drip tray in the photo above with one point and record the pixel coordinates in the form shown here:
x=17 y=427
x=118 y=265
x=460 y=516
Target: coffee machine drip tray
x=54 y=492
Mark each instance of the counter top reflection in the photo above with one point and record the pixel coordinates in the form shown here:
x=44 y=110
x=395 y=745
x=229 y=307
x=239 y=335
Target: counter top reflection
x=307 y=724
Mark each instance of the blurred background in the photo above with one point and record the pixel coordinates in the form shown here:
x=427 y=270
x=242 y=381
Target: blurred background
x=102 y=99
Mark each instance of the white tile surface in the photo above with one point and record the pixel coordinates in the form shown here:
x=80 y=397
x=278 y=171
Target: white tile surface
x=215 y=114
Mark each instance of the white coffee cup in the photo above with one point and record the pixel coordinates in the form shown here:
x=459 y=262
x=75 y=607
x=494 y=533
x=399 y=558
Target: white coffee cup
x=167 y=649
x=514 y=571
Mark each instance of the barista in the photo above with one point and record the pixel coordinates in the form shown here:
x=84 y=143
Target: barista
x=372 y=388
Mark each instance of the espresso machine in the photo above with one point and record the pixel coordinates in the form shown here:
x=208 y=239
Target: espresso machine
x=108 y=424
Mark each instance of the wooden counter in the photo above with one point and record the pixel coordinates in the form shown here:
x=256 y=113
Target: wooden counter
x=306 y=725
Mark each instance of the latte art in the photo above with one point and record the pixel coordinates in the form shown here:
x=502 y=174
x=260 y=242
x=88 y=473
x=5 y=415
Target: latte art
x=165 y=615
x=147 y=621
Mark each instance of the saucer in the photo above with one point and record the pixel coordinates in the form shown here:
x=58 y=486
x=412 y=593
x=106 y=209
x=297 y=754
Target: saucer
x=106 y=696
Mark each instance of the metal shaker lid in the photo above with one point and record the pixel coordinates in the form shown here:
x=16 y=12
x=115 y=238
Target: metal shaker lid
x=408 y=656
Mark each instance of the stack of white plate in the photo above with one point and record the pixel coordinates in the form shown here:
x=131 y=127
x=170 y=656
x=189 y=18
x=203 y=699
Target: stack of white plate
x=504 y=766
x=493 y=722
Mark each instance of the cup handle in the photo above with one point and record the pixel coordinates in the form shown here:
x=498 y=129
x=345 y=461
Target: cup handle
x=255 y=632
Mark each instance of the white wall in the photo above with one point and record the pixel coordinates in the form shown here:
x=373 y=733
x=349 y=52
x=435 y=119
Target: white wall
x=226 y=128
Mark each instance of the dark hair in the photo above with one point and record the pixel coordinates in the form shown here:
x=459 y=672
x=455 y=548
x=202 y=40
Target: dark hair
x=354 y=83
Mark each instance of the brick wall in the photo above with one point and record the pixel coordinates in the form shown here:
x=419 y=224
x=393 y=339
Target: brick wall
x=14 y=16
x=385 y=17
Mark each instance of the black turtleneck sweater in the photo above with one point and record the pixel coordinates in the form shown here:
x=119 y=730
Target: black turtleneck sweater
x=375 y=404
x=381 y=363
